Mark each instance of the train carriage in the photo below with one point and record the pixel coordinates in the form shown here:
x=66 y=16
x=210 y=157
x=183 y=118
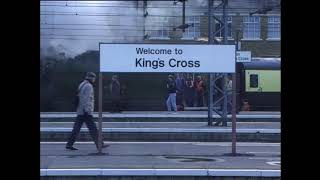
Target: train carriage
x=260 y=84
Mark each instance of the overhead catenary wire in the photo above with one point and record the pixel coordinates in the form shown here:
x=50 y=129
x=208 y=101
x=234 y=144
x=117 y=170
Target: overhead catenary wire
x=149 y=27
x=137 y=5
x=193 y=8
x=89 y=35
x=121 y=15
x=65 y=13
x=115 y=25
x=141 y=7
x=163 y=25
x=83 y=39
x=95 y=29
x=109 y=6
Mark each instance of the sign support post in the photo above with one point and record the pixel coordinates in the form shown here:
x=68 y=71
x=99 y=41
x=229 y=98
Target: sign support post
x=100 y=115
x=210 y=99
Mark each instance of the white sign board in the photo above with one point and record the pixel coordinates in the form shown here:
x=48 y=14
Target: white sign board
x=167 y=58
x=243 y=56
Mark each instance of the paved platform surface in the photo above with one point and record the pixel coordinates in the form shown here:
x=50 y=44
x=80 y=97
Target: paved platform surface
x=188 y=114
x=242 y=127
x=162 y=116
x=167 y=127
x=161 y=155
x=200 y=125
x=167 y=131
x=180 y=112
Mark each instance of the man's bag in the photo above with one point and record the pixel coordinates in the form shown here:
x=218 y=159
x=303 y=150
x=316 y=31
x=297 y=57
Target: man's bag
x=77 y=98
x=76 y=101
x=180 y=107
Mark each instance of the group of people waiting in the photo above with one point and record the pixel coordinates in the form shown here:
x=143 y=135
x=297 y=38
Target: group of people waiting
x=190 y=92
x=183 y=92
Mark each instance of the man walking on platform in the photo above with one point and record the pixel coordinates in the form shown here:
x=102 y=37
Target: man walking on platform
x=85 y=109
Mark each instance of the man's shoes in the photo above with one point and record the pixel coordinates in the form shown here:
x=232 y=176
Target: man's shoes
x=105 y=145
x=71 y=148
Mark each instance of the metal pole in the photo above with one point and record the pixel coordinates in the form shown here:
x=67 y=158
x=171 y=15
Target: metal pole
x=225 y=22
x=214 y=75
x=234 y=103
x=100 y=115
x=210 y=99
x=225 y=38
x=144 y=14
x=234 y=135
x=237 y=39
x=183 y=15
x=225 y=100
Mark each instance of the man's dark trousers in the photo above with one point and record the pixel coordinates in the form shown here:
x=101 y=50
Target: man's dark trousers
x=88 y=119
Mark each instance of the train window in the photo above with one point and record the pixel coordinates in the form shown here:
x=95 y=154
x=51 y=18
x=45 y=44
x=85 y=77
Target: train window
x=253 y=80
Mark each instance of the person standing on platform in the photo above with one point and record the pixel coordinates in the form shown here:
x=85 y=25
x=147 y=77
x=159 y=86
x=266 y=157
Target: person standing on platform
x=115 y=91
x=172 y=94
x=199 y=85
x=189 y=92
x=180 y=82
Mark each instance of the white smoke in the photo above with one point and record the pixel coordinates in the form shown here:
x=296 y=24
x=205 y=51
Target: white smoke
x=110 y=28
x=128 y=27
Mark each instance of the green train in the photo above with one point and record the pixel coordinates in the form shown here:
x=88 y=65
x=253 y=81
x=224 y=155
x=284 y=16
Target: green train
x=259 y=84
